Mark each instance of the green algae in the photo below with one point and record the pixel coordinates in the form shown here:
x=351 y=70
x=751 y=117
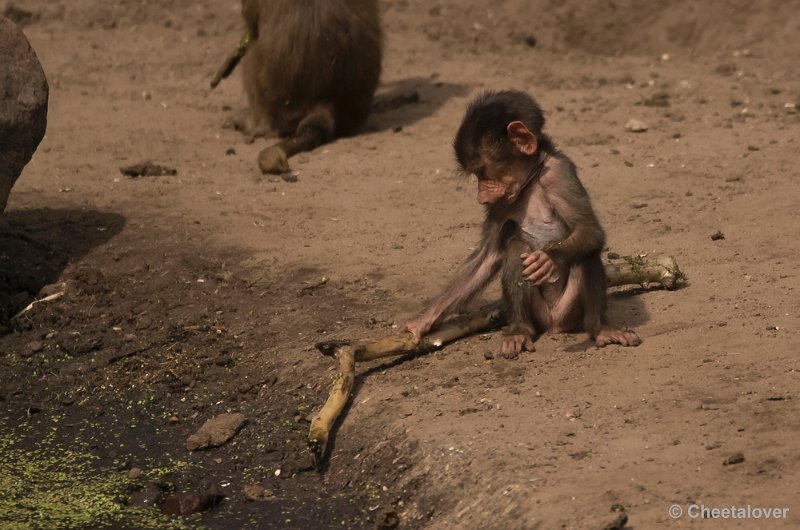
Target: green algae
x=46 y=484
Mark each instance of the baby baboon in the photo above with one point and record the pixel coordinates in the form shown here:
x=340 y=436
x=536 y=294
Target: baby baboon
x=310 y=71
x=540 y=230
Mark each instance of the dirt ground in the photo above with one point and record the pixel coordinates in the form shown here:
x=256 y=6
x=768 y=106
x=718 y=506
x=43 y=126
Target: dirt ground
x=192 y=295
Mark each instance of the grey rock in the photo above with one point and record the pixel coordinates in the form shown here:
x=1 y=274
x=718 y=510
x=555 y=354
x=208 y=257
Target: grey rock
x=23 y=105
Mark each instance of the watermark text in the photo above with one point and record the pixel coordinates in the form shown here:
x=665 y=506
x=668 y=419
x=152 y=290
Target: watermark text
x=747 y=511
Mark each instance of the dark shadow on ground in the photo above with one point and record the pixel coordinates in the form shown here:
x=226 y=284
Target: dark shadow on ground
x=626 y=308
x=37 y=245
x=401 y=103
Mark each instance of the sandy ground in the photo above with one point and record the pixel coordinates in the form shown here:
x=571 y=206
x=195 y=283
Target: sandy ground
x=191 y=295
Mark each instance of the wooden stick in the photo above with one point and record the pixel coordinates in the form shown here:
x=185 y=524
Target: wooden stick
x=622 y=271
x=340 y=392
x=641 y=270
x=321 y=424
x=233 y=59
x=485 y=318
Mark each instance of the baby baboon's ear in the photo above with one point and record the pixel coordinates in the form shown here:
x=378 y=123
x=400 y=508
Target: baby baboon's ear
x=524 y=141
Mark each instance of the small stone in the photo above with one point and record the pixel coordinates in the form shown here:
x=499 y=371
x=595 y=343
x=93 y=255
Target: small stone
x=147 y=169
x=134 y=473
x=216 y=431
x=32 y=347
x=230 y=151
x=717 y=236
x=256 y=492
x=488 y=356
x=173 y=420
x=726 y=69
x=735 y=458
x=147 y=496
x=613 y=255
x=223 y=360
x=188 y=504
x=659 y=99
x=387 y=521
x=636 y=126
x=772 y=328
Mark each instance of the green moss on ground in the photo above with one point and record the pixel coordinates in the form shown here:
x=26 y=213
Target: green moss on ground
x=48 y=485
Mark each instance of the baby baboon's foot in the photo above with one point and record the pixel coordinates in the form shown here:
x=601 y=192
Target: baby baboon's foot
x=623 y=336
x=517 y=343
